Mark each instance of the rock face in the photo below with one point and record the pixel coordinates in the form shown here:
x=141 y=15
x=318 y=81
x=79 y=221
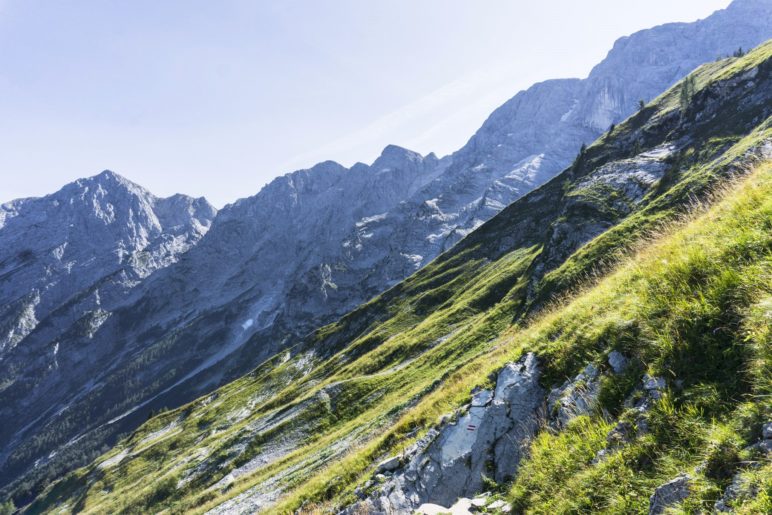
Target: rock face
x=672 y=492
x=95 y=238
x=617 y=361
x=574 y=398
x=302 y=252
x=485 y=440
x=609 y=193
x=67 y=262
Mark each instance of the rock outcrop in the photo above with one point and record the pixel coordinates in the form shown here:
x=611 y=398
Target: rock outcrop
x=672 y=492
x=741 y=489
x=575 y=397
x=486 y=439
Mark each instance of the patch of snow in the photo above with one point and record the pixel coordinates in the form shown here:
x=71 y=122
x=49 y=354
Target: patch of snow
x=414 y=259
x=371 y=219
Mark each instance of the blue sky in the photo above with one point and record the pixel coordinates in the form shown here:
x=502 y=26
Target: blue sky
x=216 y=98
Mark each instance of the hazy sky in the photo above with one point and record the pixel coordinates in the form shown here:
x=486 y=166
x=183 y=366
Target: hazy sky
x=216 y=98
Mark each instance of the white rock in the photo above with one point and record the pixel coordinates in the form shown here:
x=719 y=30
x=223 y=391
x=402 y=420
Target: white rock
x=388 y=464
x=479 y=502
x=500 y=505
x=432 y=509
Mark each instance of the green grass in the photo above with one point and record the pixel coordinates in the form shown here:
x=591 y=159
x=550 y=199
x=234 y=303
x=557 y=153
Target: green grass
x=696 y=309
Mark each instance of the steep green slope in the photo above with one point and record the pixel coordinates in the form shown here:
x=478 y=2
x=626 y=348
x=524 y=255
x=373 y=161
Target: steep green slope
x=308 y=425
x=694 y=307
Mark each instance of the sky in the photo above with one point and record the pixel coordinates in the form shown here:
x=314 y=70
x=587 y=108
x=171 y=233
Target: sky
x=216 y=98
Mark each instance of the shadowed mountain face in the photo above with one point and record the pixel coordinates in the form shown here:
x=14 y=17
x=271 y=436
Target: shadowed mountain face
x=86 y=357
x=67 y=261
x=80 y=250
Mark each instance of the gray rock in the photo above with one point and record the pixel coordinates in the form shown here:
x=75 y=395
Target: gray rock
x=672 y=492
x=489 y=435
x=617 y=361
x=652 y=387
x=766 y=431
x=653 y=383
x=388 y=465
x=643 y=397
x=764 y=446
x=575 y=397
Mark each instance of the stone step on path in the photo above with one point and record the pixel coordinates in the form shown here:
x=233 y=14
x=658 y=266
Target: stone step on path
x=464 y=506
x=461 y=507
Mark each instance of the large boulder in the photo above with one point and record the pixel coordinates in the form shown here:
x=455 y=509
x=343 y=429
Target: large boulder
x=672 y=492
x=485 y=439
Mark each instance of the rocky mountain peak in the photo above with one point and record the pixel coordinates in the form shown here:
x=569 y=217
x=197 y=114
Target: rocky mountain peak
x=107 y=183
x=394 y=156
x=85 y=245
x=111 y=177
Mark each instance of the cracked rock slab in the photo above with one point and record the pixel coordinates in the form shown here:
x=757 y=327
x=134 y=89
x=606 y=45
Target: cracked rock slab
x=487 y=439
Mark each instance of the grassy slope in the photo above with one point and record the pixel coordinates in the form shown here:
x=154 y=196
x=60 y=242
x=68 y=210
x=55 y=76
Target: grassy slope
x=370 y=383
x=695 y=308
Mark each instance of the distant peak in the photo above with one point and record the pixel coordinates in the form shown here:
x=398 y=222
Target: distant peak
x=108 y=174
x=396 y=150
x=394 y=155
x=109 y=177
x=108 y=180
